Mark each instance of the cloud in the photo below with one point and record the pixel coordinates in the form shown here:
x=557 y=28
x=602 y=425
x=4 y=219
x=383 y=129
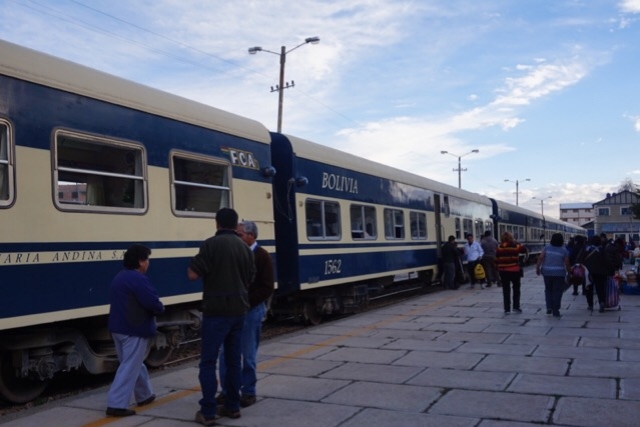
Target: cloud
x=630 y=6
x=414 y=143
x=635 y=120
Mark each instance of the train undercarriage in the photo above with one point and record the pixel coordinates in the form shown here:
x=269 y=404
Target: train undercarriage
x=30 y=357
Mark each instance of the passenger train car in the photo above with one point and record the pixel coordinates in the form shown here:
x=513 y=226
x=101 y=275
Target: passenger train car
x=90 y=164
x=345 y=225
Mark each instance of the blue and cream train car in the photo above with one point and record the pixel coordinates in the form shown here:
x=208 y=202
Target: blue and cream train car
x=530 y=228
x=90 y=164
x=345 y=224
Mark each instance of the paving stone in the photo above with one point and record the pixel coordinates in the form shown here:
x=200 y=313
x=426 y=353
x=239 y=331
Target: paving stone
x=363 y=355
x=384 y=418
x=299 y=388
x=488 y=348
x=385 y=396
x=433 y=359
x=542 y=340
x=604 y=369
x=412 y=334
x=409 y=344
x=534 y=365
x=584 y=332
x=609 y=342
x=521 y=330
x=470 y=380
x=564 y=386
x=374 y=373
x=496 y=405
x=299 y=367
x=576 y=352
x=296 y=350
x=630 y=389
x=472 y=337
x=583 y=412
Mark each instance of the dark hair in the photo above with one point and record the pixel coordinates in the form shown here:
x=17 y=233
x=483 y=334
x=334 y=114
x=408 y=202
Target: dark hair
x=134 y=255
x=227 y=218
x=451 y=239
x=557 y=239
x=595 y=240
x=487 y=233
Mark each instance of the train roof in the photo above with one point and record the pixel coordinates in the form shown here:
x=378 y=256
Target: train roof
x=26 y=64
x=518 y=209
x=323 y=154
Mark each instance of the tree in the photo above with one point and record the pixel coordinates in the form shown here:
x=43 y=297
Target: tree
x=628 y=185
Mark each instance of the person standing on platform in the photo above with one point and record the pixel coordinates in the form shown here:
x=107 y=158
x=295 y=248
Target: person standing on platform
x=259 y=292
x=489 y=247
x=594 y=259
x=473 y=251
x=134 y=303
x=553 y=264
x=450 y=256
x=508 y=263
x=225 y=264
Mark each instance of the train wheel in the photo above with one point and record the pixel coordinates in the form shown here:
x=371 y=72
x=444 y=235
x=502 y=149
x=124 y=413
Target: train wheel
x=14 y=389
x=158 y=356
x=310 y=313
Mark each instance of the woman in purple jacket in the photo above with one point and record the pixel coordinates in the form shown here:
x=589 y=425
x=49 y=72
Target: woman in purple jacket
x=134 y=305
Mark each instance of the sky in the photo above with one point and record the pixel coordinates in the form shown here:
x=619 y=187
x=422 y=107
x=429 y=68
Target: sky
x=548 y=91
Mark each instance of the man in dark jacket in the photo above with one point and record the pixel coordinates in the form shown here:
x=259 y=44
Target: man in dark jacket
x=595 y=259
x=225 y=263
x=259 y=292
x=134 y=303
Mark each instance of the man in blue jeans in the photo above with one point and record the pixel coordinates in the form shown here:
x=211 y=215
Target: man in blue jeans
x=225 y=263
x=259 y=292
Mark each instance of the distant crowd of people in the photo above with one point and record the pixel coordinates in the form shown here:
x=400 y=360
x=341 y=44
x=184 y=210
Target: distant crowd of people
x=580 y=263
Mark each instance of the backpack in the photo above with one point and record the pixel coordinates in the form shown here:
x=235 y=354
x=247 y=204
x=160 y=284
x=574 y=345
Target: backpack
x=478 y=271
x=577 y=274
x=597 y=261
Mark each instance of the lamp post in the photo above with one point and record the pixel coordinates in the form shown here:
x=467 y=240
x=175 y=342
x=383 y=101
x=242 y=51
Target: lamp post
x=544 y=221
x=517 y=184
x=542 y=199
x=283 y=58
x=459 y=170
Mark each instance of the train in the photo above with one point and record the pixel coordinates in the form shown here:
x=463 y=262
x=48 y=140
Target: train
x=91 y=163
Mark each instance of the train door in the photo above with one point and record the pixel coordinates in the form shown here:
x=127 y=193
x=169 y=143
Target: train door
x=438 y=219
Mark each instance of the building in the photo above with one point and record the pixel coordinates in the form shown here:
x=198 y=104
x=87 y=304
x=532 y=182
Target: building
x=577 y=213
x=613 y=216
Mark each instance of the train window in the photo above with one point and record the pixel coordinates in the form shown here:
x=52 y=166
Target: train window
x=458 y=230
x=323 y=220
x=418 y=222
x=393 y=224
x=105 y=174
x=447 y=207
x=478 y=229
x=467 y=227
x=199 y=185
x=6 y=165
x=363 y=215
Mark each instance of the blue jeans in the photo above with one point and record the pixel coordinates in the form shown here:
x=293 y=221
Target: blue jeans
x=553 y=290
x=216 y=331
x=449 y=275
x=250 y=342
x=131 y=377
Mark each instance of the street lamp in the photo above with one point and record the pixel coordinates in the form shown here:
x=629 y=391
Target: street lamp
x=283 y=58
x=459 y=170
x=544 y=221
x=517 y=191
x=542 y=199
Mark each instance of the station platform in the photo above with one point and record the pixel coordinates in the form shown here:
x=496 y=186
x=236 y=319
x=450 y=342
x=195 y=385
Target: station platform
x=450 y=358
